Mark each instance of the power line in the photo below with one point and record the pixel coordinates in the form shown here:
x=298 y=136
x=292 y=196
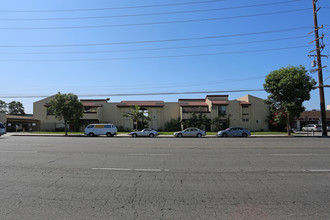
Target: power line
x=141 y=94
x=171 y=85
x=155 y=57
x=125 y=7
x=162 y=41
x=149 y=23
x=159 y=48
x=146 y=14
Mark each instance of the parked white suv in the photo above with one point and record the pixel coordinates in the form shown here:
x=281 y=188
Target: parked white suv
x=101 y=129
x=2 y=129
x=312 y=127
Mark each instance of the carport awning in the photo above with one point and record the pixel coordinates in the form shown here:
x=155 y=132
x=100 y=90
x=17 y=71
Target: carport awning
x=21 y=119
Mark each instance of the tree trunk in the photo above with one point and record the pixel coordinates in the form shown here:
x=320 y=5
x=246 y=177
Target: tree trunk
x=288 y=124
x=65 y=128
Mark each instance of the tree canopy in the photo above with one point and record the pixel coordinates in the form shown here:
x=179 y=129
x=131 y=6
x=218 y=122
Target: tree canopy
x=3 y=107
x=199 y=121
x=289 y=87
x=67 y=107
x=16 y=108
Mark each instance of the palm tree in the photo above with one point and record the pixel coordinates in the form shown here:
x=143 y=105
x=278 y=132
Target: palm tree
x=136 y=115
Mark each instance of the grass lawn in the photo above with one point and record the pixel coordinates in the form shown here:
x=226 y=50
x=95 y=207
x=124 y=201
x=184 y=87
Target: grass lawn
x=268 y=133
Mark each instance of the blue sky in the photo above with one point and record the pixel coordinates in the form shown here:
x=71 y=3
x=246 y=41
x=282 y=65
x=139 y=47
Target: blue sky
x=201 y=45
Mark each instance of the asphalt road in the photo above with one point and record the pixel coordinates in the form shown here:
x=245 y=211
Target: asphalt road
x=164 y=178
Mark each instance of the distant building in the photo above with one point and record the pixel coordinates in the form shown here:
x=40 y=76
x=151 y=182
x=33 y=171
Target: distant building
x=248 y=112
x=20 y=122
x=310 y=117
x=3 y=118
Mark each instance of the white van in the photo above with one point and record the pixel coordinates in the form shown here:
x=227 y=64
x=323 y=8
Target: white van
x=101 y=129
x=2 y=129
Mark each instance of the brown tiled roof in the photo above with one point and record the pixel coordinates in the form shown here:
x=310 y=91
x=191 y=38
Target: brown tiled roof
x=220 y=102
x=312 y=114
x=21 y=118
x=93 y=102
x=245 y=103
x=193 y=104
x=191 y=100
x=141 y=103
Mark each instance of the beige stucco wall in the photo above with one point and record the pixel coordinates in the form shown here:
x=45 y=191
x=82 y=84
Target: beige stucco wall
x=258 y=112
x=111 y=113
x=47 y=122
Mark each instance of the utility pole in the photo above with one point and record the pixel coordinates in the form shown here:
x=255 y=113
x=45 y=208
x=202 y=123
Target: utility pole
x=319 y=69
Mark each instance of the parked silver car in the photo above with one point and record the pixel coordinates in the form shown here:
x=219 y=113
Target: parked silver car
x=234 y=132
x=190 y=132
x=144 y=133
x=312 y=127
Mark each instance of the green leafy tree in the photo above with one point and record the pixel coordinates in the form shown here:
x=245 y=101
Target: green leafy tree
x=288 y=87
x=67 y=107
x=173 y=125
x=220 y=122
x=3 y=107
x=197 y=120
x=136 y=114
x=16 y=108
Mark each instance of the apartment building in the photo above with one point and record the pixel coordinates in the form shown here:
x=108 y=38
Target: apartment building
x=248 y=111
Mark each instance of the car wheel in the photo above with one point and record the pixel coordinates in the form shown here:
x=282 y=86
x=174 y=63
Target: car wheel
x=109 y=134
x=224 y=135
x=244 y=135
x=151 y=135
x=91 y=134
x=179 y=135
x=199 y=135
x=134 y=135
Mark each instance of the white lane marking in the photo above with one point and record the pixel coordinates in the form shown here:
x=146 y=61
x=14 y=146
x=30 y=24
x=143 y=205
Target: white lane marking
x=116 y=169
x=148 y=154
x=293 y=154
x=18 y=151
x=317 y=170
x=127 y=169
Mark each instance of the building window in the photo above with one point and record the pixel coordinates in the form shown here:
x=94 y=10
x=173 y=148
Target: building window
x=222 y=110
x=144 y=111
x=245 y=120
x=88 y=109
